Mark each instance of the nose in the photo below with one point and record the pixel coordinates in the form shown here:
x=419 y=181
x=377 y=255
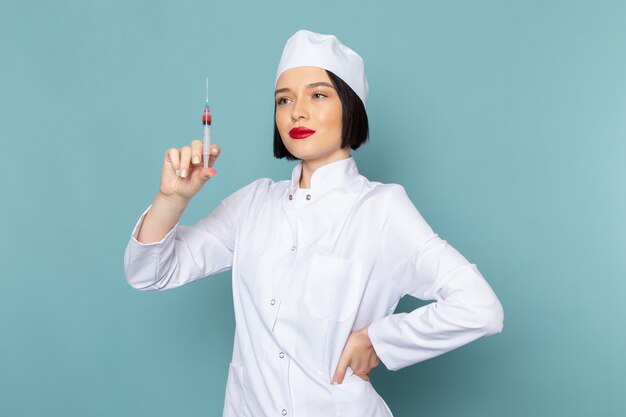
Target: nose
x=299 y=111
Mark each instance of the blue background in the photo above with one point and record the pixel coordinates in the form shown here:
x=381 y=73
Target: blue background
x=505 y=122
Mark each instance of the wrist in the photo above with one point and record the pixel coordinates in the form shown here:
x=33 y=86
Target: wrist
x=366 y=336
x=175 y=202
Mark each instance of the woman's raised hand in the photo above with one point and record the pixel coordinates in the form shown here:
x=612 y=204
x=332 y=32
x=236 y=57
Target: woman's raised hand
x=183 y=173
x=182 y=176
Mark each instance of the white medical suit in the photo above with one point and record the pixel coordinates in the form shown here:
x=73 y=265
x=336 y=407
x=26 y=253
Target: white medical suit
x=309 y=266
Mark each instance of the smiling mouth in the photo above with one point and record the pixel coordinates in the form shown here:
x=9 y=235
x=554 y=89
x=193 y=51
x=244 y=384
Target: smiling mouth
x=300 y=132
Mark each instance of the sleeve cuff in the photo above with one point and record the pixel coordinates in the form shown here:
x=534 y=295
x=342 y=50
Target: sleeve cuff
x=373 y=331
x=138 y=227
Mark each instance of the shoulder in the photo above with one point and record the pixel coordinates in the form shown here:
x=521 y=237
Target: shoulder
x=402 y=227
x=257 y=190
x=394 y=207
x=386 y=195
x=266 y=187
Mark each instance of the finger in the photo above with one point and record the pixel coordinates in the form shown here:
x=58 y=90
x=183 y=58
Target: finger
x=173 y=157
x=215 y=152
x=376 y=361
x=185 y=158
x=212 y=172
x=202 y=174
x=196 y=152
x=340 y=372
x=363 y=374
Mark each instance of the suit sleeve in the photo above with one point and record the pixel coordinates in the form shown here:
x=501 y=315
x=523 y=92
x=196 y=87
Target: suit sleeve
x=465 y=308
x=186 y=253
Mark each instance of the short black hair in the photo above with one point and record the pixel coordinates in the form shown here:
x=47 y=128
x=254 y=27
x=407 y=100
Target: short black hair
x=354 y=124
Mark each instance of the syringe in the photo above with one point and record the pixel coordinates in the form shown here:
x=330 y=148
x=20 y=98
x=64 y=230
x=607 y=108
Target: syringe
x=206 y=122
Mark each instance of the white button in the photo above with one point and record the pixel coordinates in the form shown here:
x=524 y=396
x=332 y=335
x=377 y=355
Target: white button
x=281 y=355
x=272 y=301
x=308 y=196
x=284 y=412
x=293 y=248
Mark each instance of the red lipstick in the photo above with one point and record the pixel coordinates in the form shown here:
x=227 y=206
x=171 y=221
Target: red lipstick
x=300 y=132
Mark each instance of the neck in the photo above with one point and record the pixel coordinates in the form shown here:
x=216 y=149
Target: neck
x=310 y=165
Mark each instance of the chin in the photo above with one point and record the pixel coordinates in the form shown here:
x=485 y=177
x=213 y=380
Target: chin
x=302 y=153
x=312 y=151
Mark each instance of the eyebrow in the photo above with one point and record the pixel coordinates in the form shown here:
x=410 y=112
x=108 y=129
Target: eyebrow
x=312 y=85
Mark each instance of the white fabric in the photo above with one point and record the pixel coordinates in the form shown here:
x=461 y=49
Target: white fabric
x=310 y=49
x=307 y=271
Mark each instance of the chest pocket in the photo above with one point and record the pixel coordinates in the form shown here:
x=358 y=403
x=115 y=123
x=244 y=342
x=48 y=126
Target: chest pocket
x=333 y=287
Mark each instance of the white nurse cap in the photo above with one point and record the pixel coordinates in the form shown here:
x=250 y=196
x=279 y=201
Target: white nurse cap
x=306 y=48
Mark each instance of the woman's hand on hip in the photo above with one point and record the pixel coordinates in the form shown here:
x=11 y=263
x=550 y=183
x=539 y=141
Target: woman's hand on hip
x=183 y=173
x=359 y=355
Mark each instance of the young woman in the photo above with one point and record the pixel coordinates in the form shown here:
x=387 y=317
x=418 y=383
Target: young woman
x=319 y=262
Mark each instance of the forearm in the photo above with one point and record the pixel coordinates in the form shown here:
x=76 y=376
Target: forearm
x=163 y=215
x=183 y=254
x=466 y=310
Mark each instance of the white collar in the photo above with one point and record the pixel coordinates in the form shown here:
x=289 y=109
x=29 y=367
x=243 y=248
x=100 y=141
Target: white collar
x=332 y=175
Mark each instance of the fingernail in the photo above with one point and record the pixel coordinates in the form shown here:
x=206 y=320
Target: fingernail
x=178 y=172
x=183 y=173
x=335 y=382
x=196 y=159
x=214 y=151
